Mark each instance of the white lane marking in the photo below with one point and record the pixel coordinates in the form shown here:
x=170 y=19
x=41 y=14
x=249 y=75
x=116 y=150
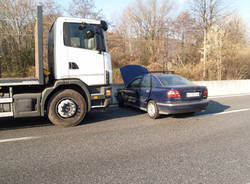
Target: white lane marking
x=221 y=113
x=226 y=96
x=17 y=139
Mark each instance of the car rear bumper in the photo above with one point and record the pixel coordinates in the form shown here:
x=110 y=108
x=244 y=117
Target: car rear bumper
x=186 y=107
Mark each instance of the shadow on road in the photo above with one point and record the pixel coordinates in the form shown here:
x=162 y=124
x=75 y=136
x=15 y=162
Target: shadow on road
x=95 y=117
x=10 y=123
x=213 y=107
x=92 y=117
x=111 y=113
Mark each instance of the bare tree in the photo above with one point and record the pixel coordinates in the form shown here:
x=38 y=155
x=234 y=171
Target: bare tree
x=145 y=27
x=17 y=19
x=215 y=44
x=84 y=9
x=236 y=52
x=208 y=13
x=225 y=46
x=184 y=31
x=51 y=10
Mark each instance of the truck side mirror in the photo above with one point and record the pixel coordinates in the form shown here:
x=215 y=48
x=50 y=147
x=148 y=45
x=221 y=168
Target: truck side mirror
x=82 y=27
x=90 y=34
x=104 y=25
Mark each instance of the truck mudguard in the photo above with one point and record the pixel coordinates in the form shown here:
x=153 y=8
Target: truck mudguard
x=65 y=82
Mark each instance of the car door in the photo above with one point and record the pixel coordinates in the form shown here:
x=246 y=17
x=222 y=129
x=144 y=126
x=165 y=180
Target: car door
x=131 y=93
x=145 y=90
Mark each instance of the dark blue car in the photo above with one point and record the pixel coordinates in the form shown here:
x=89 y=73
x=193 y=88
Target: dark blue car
x=160 y=93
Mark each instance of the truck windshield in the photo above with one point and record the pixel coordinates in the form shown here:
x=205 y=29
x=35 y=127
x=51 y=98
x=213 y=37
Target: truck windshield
x=90 y=37
x=173 y=80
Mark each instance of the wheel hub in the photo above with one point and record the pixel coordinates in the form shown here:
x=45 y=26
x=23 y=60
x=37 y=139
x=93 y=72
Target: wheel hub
x=151 y=109
x=67 y=108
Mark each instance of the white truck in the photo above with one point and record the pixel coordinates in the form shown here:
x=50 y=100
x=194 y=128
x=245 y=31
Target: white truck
x=78 y=79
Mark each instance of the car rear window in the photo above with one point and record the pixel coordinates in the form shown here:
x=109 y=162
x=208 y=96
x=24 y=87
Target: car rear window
x=173 y=80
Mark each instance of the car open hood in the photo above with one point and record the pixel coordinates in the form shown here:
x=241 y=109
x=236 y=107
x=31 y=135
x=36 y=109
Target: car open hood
x=129 y=72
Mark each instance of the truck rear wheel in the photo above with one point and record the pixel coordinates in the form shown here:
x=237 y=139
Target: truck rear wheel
x=67 y=108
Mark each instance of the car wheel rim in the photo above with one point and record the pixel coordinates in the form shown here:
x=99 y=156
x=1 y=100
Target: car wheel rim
x=66 y=108
x=151 y=109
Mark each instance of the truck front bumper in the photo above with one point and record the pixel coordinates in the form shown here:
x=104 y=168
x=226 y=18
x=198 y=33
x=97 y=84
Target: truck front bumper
x=101 y=100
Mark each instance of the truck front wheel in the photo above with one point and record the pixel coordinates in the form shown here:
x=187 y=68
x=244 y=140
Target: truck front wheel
x=67 y=108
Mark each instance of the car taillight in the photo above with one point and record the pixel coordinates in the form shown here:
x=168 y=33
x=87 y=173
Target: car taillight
x=205 y=93
x=173 y=94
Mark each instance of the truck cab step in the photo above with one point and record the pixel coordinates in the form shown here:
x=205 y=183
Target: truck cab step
x=6 y=100
x=6 y=114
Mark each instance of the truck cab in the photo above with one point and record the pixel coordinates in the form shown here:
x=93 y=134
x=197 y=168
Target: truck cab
x=78 y=50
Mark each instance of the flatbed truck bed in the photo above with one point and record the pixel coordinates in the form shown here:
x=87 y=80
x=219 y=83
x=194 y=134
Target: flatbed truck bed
x=18 y=81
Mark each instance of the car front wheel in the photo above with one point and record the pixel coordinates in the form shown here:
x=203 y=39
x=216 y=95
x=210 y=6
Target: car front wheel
x=120 y=100
x=153 y=110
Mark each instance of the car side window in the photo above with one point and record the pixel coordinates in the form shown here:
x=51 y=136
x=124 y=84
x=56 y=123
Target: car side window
x=135 y=83
x=146 y=82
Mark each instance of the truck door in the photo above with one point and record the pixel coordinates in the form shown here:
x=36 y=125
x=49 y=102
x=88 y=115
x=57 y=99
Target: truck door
x=85 y=62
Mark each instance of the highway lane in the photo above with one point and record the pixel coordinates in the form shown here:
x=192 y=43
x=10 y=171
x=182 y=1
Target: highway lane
x=125 y=146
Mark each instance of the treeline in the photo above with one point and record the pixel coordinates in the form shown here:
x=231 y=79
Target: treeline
x=207 y=41
x=17 y=21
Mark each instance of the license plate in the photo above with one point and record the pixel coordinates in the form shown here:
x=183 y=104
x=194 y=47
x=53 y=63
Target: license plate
x=194 y=94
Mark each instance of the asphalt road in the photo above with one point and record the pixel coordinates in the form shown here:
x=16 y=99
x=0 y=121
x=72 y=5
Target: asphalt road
x=125 y=146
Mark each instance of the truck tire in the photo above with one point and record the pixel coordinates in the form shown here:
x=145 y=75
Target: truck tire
x=67 y=108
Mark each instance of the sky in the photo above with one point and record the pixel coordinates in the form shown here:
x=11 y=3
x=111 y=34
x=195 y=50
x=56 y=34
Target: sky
x=113 y=8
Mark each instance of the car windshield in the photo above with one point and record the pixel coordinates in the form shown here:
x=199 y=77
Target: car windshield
x=173 y=80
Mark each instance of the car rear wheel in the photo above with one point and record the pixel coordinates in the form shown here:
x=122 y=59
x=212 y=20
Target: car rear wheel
x=153 y=110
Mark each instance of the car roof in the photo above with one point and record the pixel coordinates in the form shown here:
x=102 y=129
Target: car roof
x=163 y=74
x=158 y=75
